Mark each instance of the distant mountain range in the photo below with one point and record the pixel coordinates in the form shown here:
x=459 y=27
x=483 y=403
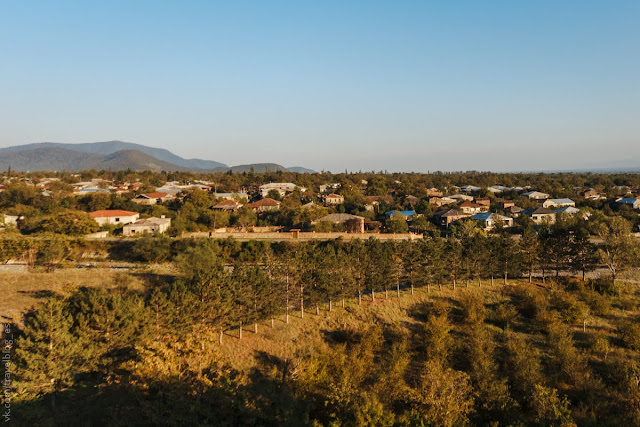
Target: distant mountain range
x=115 y=155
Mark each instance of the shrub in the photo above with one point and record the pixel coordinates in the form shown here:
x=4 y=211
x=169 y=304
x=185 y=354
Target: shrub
x=571 y=310
x=598 y=303
x=629 y=332
x=628 y=304
x=52 y=252
x=549 y=408
x=574 y=284
x=152 y=248
x=505 y=315
x=529 y=302
x=604 y=286
x=599 y=344
x=473 y=309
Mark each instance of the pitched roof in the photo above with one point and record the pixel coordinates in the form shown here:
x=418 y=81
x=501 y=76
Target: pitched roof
x=539 y=211
x=487 y=215
x=469 y=205
x=560 y=201
x=482 y=216
x=451 y=212
x=535 y=193
x=567 y=210
x=154 y=195
x=627 y=201
x=110 y=213
x=230 y=194
x=461 y=196
x=264 y=202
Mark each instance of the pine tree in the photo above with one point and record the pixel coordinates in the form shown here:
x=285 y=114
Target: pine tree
x=109 y=324
x=529 y=249
x=583 y=252
x=47 y=353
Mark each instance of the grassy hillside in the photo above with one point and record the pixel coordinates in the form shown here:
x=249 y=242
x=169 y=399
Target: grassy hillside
x=522 y=354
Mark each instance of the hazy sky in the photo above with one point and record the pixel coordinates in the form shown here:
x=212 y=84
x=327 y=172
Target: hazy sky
x=333 y=85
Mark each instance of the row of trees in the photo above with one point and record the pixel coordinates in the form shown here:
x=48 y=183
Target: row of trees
x=245 y=283
x=467 y=255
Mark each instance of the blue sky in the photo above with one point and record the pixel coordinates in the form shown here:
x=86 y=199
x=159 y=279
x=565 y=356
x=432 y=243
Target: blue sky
x=333 y=85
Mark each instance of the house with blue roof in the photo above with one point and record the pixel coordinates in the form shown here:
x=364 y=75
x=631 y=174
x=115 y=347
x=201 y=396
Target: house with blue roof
x=489 y=220
x=633 y=203
x=568 y=210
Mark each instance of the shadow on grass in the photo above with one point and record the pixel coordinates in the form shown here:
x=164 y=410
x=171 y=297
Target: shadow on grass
x=341 y=336
x=40 y=294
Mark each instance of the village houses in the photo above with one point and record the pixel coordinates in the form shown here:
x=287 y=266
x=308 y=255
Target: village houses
x=282 y=188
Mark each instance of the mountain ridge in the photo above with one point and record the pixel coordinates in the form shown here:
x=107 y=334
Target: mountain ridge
x=109 y=147
x=115 y=155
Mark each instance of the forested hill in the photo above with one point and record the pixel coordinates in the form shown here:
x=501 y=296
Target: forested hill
x=60 y=159
x=110 y=147
x=115 y=155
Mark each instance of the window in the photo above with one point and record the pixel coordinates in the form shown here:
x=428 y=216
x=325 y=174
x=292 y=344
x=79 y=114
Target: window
x=117 y=219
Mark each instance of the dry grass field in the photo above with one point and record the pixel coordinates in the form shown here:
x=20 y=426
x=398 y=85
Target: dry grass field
x=21 y=290
x=408 y=312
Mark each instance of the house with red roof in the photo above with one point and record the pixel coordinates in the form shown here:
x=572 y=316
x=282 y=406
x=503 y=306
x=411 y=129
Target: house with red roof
x=265 y=205
x=472 y=208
